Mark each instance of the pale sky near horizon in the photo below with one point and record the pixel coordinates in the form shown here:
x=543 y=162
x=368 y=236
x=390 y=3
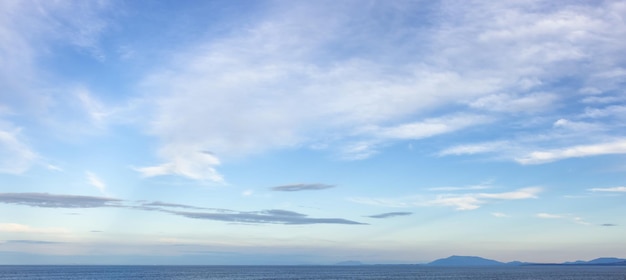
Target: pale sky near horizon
x=311 y=132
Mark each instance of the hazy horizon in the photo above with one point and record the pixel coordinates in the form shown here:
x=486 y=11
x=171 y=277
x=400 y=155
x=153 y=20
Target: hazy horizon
x=312 y=132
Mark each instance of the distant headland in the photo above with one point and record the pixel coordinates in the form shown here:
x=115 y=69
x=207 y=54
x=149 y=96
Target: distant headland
x=480 y=261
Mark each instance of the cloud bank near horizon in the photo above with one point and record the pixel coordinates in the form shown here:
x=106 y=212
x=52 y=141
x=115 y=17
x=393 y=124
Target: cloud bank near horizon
x=273 y=216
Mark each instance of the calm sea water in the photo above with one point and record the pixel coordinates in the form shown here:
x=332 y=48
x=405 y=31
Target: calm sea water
x=312 y=272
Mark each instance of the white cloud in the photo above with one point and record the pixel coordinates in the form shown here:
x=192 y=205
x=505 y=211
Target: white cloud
x=185 y=161
x=574 y=219
x=359 y=150
x=16 y=157
x=467 y=201
x=602 y=99
x=579 y=127
x=518 y=194
x=96 y=182
x=431 y=127
x=476 y=187
x=611 y=189
x=478 y=148
x=473 y=201
x=29 y=31
x=463 y=202
x=93 y=107
x=499 y=215
x=539 y=157
x=509 y=103
x=311 y=76
x=549 y=216
x=610 y=111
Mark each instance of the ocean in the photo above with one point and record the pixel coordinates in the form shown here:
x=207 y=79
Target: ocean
x=60 y=272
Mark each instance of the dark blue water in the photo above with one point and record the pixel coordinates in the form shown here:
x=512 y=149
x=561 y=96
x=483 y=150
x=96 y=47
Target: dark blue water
x=313 y=272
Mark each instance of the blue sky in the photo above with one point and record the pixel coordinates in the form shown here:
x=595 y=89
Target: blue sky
x=311 y=132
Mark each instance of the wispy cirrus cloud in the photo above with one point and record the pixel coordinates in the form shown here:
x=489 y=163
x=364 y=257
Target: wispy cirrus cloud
x=16 y=156
x=473 y=201
x=539 y=157
x=465 y=201
x=95 y=181
x=476 y=148
x=187 y=162
x=301 y=187
x=499 y=215
x=610 y=189
x=512 y=54
x=568 y=217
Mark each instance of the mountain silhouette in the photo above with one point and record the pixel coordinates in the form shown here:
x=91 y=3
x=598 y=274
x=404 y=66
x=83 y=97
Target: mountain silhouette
x=465 y=261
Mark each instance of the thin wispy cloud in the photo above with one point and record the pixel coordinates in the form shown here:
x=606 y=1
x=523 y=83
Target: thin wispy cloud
x=273 y=216
x=96 y=182
x=611 y=189
x=499 y=215
x=188 y=162
x=468 y=188
x=159 y=205
x=538 y=157
x=549 y=216
x=477 y=148
x=424 y=85
x=567 y=217
x=264 y=217
x=473 y=201
x=17 y=157
x=47 y=200
x=390 y=215
x=465 y=201
x=301 y=187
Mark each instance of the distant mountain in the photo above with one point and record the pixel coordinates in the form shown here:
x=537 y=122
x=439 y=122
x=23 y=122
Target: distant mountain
x=464 y=261
x=605 y=260
x=349 y=263
x=599 y=261
x=478 y=261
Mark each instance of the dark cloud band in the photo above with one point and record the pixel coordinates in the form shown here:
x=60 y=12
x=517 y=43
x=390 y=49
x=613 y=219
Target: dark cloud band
x=57 y=201
x=273 y=216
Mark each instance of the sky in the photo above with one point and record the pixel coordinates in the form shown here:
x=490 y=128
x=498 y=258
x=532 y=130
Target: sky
x=311 y=132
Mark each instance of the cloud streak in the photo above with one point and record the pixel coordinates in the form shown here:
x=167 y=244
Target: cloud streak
x=273 y=216
x=301 y=187
x=568 y=217
x=47 y=200
x=467 y=201
x=539 y=157
x=390 y=215
x=95 y=181
x=264 y=217
x=611 y=189
x=16 y=157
